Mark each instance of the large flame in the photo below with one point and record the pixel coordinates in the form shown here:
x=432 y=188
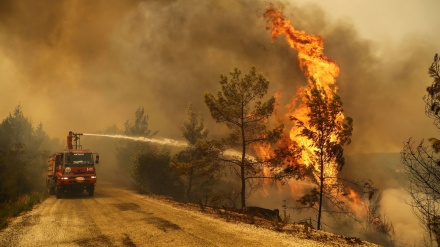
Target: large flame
x=310 y=50
x=319 y=70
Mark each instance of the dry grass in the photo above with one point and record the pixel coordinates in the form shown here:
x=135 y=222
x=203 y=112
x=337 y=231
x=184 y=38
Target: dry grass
x=299 y=230
x=14 y=208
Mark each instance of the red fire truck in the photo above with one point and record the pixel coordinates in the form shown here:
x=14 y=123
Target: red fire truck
x=72 y=169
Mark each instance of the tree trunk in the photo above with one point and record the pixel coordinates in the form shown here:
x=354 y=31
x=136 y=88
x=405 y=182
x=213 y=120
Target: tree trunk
x=189 y=187
x=321 y=191
x=243 y=160
x=243 y=187
x=243 y=176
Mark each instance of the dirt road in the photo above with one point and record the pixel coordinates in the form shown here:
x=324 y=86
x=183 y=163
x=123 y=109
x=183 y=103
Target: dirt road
x=119 y=217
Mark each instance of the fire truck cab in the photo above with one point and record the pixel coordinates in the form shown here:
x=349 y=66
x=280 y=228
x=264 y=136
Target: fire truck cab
x=72 y=169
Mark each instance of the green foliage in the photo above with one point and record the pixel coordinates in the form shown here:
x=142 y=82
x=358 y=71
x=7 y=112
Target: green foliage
x=193 y=129
x=127 y=149
x=239 y=105
x=197 y=165
x=23 y=152
x=140 y=125
x=22 y=155
x=199 y=168
x=146 y=163
x=152 y=172
x=14 y=207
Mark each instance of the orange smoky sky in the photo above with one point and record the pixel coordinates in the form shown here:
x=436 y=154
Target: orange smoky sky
x=88 y=65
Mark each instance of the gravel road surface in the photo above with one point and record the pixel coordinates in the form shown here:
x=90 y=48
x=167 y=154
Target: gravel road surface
x=120 y=217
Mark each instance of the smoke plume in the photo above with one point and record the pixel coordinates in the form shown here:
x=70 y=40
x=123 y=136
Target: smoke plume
x=87 y=65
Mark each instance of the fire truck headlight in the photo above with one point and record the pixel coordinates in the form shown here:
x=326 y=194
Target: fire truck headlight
x=64 y=178
x=93 y=177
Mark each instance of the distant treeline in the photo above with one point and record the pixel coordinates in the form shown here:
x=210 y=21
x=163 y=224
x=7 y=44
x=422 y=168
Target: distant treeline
x=23 y=151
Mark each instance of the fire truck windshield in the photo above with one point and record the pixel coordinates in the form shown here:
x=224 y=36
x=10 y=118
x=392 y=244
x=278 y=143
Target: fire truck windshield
x=79 y=159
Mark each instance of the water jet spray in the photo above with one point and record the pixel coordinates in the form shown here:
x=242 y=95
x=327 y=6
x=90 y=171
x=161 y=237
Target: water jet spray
x=163 y=141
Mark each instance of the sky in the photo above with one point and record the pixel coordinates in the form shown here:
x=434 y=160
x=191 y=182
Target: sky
x=86 y=66
x=392 y=20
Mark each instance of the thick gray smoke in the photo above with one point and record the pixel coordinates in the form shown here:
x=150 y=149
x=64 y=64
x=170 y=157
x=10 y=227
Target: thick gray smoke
x=86 y=65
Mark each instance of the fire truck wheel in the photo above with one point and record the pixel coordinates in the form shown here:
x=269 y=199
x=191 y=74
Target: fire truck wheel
x=91 y=191
x=58 y=192
x=51 y=191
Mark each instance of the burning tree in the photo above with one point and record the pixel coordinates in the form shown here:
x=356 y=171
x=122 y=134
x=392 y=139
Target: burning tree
x=422 y=164
x=239 y=105
x=325 y=133
x=321 y=130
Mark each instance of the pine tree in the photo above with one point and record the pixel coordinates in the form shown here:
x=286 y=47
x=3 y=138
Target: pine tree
x=328 y=133
x=239 y=105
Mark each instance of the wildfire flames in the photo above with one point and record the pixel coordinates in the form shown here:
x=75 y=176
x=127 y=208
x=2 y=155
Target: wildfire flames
x=318 y=68
x=320 y=71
